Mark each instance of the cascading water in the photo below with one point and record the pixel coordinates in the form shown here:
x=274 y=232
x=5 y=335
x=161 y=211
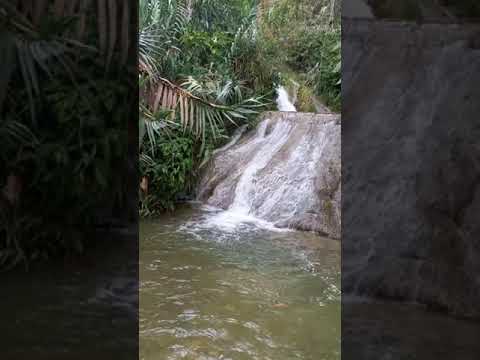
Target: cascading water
x=283 y=101
x=270 y=144
x=268 y=140
x=284 y=174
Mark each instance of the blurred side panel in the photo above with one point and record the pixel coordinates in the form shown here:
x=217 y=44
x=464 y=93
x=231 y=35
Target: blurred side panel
x=410 y=192
x=68 y=179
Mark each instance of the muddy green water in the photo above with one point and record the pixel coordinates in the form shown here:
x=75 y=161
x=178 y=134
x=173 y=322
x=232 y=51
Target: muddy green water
x=237 y=293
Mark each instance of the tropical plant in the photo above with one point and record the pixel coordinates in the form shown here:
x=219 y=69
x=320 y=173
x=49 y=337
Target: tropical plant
x=65 y=103
x=39 y=35
x=200 y=107
x=162 y=25
x=168 y=164
x=189 y=83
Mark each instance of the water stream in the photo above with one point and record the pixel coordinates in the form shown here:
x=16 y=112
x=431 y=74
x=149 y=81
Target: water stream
x=211 y=291
x=283 y=100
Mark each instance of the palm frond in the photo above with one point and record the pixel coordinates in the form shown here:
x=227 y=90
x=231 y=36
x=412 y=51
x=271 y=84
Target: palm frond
x=112 y=35
x=160 y=24
x=153 y=124
x=35 y=42
x=196 y=113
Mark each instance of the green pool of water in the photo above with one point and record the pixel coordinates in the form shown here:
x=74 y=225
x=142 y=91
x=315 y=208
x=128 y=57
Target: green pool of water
x=237 y=293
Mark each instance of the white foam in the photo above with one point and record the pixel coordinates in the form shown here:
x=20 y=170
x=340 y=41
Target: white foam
x=228 y=223
x=232 y=221
x=283 y=101
x=246 y=185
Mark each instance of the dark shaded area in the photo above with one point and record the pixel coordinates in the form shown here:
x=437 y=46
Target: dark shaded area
x=410 y=170
x=405 y=331
x=80 y=308
x=425 y=9
x=68 y=179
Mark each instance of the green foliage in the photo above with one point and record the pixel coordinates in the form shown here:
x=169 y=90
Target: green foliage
x=193 y=50
x=304 y=37
x=220 y=15
x=168 y=165
x=160 y=25
x=203 y=71
x=205 y=49
x=75 y=171
x=320 y=58
x=305 y=99
x=64 y=111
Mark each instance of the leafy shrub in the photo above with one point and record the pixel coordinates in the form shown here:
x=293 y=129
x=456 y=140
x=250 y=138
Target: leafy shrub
x=205 y=49
x=319 y=56
x=168 y=167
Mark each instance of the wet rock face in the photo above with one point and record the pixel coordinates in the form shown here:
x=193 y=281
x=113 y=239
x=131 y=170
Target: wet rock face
x=286 y=171
x=411 y=191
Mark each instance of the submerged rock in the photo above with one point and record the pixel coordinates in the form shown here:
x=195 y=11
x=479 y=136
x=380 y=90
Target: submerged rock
x=286 y=171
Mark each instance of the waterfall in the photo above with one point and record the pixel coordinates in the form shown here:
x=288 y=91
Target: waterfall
x=270 y=144
x=283 y=101
x=283 y=174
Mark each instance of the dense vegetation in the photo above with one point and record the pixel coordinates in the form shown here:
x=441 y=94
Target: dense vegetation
x=65 y=104
x=304 y=38
x=208 y=66
x=195 y=88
